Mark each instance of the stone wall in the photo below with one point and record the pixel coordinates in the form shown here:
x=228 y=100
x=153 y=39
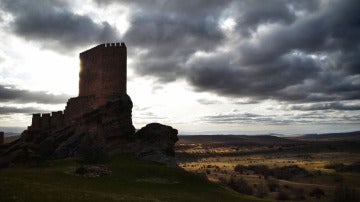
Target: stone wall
x=47 y=121
x=1 y=137
x=57 y=119
x=78 y=106
x=103 y=72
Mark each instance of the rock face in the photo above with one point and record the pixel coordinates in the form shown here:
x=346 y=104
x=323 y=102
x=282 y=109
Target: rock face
x=110 y=125
x=158 y=143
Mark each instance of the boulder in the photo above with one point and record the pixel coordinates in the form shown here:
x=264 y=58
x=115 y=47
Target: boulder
x=92 y=171
x=157 y=143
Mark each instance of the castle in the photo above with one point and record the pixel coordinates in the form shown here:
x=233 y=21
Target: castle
x=99 y=118
x=102 y=77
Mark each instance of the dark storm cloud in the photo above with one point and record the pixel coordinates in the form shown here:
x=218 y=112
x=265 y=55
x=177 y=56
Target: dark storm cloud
x=327 y=106
x=285 y=50
x=53 y=25
x=246 y=118
x=236 y=117
x=170 y=32
x=9 y=93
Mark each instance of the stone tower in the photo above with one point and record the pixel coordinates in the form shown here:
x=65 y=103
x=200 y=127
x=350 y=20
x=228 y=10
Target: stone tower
x=102 y=77
x=103 y=70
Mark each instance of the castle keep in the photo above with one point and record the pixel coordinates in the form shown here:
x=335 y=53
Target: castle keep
x=102 y=77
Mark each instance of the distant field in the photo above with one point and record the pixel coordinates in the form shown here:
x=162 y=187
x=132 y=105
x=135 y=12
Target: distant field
x=217 y=156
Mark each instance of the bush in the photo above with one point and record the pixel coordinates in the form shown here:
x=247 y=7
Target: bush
x=340 y=167
x=261 y=190
x=317 y=193
x=92 y=150
x=273 y=185
x=287 y=172
x=299 y=194
x=344 y=193
x=261 y=169
x=240 y=185
x=282 y=196
x=240 y=168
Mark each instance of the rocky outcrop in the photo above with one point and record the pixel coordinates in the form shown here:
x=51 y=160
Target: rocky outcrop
x=158 y=142
x=91 y=171
x=112 y=123
x=109 y=127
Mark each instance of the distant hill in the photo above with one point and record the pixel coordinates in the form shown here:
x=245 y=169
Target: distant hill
x=202 y=139
x=332 y=136
x=224 y=139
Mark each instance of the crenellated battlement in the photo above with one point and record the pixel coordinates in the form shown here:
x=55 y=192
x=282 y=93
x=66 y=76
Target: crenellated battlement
x=54 y=120
x=101 y=50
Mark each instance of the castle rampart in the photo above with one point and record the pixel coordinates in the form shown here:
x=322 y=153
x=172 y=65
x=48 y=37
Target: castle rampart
x=46 y=121
x=57 y=119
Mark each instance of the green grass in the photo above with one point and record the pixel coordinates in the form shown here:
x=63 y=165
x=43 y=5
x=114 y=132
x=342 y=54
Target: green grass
x=131 y=180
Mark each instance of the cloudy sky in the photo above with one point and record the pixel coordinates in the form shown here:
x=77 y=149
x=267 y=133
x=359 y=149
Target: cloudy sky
x=208 y=66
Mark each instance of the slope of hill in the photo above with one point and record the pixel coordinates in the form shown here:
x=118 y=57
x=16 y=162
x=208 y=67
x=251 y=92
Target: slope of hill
x=131 y=180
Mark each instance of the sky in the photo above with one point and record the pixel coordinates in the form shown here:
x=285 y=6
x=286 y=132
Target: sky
x=201 y=66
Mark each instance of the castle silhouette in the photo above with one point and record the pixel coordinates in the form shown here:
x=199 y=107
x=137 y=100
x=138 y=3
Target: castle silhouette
x=102 y=77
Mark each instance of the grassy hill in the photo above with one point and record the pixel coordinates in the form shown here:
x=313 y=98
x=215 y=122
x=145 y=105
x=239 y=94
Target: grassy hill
x=131 y=180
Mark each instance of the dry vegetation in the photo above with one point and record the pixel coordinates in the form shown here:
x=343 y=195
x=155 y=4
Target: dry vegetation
x=276 y=168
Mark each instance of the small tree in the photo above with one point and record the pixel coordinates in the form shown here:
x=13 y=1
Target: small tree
x=282 y=196
x=240 y=185
x=317 y=193
x=344 y=193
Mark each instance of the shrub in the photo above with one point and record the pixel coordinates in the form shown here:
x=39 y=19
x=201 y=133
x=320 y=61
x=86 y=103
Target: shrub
x=338 y=167
x=261 y=169
x=338 y=178
x=273 y=185
x=240 y=168
x=317 y=193
x=240 y=185
x=287 y=172
x=261 y=190
x=344 y=193
x=282 y=196
x=299 y=194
